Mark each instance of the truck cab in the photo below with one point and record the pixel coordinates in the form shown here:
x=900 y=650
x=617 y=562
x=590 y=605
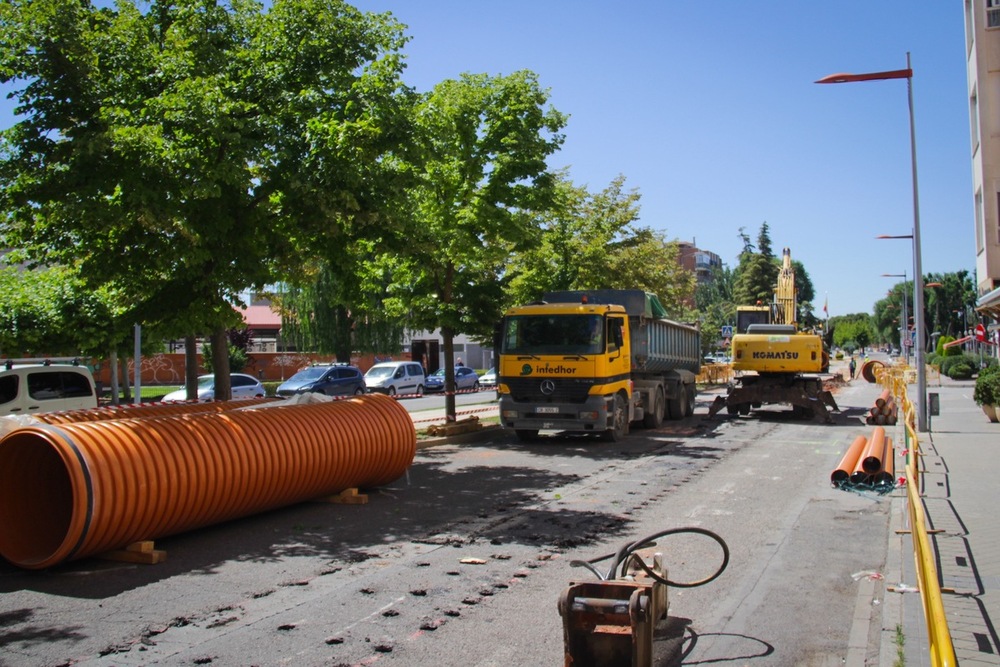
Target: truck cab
x=593 y=361
x=565 y=366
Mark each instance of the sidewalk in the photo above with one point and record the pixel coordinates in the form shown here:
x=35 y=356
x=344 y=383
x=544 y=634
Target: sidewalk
x=961 y=497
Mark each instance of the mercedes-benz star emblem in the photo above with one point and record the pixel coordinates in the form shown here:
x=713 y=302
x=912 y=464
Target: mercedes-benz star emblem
x=547 y=387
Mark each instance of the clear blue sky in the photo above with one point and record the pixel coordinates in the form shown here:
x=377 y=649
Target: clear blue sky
x=710 y=111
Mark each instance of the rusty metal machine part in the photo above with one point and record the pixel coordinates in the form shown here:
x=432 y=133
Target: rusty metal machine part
x=611 y=622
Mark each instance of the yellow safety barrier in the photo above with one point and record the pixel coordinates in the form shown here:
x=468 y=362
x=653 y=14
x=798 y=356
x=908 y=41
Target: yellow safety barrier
x=715 y=374
x=942 y=650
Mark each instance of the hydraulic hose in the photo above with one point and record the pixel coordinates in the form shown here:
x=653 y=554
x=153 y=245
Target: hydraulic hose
x=625 y=554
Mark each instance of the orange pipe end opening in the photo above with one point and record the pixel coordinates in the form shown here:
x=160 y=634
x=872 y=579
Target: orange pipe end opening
x=36 y=500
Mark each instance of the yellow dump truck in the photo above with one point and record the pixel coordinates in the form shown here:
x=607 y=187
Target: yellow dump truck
x=594 y=361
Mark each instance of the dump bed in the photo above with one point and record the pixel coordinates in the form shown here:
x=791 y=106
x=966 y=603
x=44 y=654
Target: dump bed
x=659 y=345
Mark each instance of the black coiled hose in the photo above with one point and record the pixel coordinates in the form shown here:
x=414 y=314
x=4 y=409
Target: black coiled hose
x=626 y=553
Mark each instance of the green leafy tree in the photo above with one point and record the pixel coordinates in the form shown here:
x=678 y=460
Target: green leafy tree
x=757 y=272
x=716 y=306
x=578 y=237
x=949 y=303
x=485 y=141
x=590 y=241
x=239 y=341
x=649 y=262
x=850 y=331
x=51 y=312
x=201 y=145
x=340 y=315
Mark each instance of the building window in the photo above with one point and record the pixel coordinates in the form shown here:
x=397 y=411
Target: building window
x=997 y=241
x=969 y=28
x=980 y=232
x=993 y=13
x=974 y=121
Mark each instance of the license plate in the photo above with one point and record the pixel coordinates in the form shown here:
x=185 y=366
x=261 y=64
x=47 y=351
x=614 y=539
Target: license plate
x=547 y=410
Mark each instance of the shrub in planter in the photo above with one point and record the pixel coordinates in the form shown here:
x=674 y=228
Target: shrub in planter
x=987 y=389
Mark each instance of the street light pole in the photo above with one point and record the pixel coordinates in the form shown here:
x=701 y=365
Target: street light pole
x=904 y=324
x=918 y=276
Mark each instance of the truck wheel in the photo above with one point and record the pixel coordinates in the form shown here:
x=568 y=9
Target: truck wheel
x=654 y=418
x=691 y=394
x=619 y=421
x=526 y=434
x=678 y=407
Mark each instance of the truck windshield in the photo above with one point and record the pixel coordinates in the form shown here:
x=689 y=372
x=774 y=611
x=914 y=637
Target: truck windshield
x=553 y=334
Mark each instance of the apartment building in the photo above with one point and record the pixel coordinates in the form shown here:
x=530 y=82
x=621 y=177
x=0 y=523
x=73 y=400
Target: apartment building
x=982 y=38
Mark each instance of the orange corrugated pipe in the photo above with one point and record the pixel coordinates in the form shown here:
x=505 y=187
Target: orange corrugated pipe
x=870 y=463
x=145 y=410
x=887 y=476
x=842 y=473
x=72 y=490
x=868 y=370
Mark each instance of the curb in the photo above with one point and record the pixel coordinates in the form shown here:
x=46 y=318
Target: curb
x=487 y=431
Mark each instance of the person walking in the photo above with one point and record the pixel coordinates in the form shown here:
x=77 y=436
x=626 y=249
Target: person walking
x=852 y=367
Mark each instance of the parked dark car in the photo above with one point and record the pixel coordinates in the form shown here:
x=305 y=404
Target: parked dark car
x=332 y=380
x=465 y=378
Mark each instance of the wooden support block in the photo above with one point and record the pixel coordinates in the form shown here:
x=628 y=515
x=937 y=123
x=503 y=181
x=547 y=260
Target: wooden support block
x=137 y=552
x=346 y=497
x=456 y=428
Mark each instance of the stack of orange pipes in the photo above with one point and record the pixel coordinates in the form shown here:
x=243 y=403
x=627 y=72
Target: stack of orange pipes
x=868 y=463
x=884 y=411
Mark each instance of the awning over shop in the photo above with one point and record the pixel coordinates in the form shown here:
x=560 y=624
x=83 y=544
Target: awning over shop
x=989 y=304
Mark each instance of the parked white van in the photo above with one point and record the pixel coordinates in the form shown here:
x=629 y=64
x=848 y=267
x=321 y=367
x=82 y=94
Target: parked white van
x=27 y=389
x=396 y=377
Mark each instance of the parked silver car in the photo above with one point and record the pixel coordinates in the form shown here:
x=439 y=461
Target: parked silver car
x=488 y=379
x=244 y=386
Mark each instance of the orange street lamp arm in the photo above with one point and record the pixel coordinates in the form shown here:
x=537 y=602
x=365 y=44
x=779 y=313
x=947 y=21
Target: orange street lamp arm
x=871 y=76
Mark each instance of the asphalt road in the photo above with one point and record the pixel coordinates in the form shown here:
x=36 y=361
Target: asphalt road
x=462 y=561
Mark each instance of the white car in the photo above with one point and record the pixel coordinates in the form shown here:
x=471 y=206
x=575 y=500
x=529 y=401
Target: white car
x=244 y=386
x=488 y=379
x=26 y=389
x=396 y=378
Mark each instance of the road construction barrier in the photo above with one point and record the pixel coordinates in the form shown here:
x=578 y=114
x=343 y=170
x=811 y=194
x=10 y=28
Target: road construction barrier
x=941 y=648
x=72 y=490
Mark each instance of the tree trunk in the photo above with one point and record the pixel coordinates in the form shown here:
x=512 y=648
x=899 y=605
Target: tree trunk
x=343 y=339
x=126 y=386
x=115 y=386
x=220 y=365
x=191 y=367
x=448 y=336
